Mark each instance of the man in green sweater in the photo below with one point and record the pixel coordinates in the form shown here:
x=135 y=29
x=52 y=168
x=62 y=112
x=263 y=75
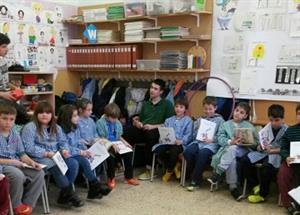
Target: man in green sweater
x=145 y=128
x=289 y=172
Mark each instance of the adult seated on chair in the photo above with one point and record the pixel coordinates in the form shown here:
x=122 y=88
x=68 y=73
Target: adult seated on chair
x=153 y=114
x=6 y=96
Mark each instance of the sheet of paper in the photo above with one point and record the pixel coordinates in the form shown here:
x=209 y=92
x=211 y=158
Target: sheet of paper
x=289 y=53
x=272 y=22
x=295 y=25
x=122 y=147
x=248 y=77
x=60 y=162
x=295 y=151
x=245 y=21
x=265 y=136
x=231 y=64
x=167 y=135
x=295 y=194
x=206 y=130
x=30 y=167
x=99 y=153
x=256 y=54
x=245 y=134
x=233 y=43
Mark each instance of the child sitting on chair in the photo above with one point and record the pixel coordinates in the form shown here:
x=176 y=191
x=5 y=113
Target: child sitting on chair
x=109 y=127
x=183 y=128
x=233 y=146
x=198 y=153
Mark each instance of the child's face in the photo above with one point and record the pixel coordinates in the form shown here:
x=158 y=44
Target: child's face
x=7 y=121
x=3 y=50
x=75 y=117
x=87 y=112
x=298 y=116
x=209 y=110
x=179 y=110
x=239 y=114
x=276 y=122
x=111 y=119
x=44 y=118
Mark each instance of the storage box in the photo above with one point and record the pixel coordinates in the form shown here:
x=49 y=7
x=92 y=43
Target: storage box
x=135 y=8
x=156 y=7
x=148 y=64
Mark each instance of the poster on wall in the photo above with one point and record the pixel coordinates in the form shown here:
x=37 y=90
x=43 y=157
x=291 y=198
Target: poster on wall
x=256 y=54
x=227 y=9
x=295 y=25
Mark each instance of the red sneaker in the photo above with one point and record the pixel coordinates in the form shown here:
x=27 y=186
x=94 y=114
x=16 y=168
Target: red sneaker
x=111 y=183
x=23 y=209
x=132 y=181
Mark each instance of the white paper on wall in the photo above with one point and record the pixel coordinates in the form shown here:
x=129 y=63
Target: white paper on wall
x=272 y=22
x=231 y=64
x=233 y=43
x=247 y=82
x=256 y=54
x=295 y=25
x=245 y=21
x=289 y=54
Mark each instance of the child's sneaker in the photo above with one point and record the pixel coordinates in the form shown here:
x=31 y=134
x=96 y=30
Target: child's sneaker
x=215 y=179
x=167 y=176
x=23 y=209
x=256 y=190
x=255 y=199
x=111 y=183
x=177 y=170
x=236 y=194
x=193 y=186
x=132 y=181
x=144 y=176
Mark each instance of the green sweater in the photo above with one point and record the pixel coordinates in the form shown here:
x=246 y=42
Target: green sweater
x=156 y=113
x=292 y=134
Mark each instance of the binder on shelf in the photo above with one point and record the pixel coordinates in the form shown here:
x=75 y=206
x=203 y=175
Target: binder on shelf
x=136 y=54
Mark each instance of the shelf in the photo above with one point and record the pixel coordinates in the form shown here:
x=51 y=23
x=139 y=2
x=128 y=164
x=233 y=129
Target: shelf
x=30 y=73
x=39 y=93
x=137 y=18
x=137 y=71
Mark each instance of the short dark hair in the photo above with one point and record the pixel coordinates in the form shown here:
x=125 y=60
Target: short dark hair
x=182 y=101
x=82 y=103
x=4 y=39
x=245 y=106
x=210 y=100
x=112 y=110
x=276 y=111
x=7 y=109
x=161 y=83
x=298 y=108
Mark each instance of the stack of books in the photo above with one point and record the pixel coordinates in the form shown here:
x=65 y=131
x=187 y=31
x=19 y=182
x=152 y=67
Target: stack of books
x=173 y=32
x=104 y=36
x=94 y=15
x=115 y=12
x=173 y=60
x=134 y=30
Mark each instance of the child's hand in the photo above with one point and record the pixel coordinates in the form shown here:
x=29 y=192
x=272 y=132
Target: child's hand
x=178 y=142
x=207 y=140
x=148 y=127
x=116 y=148
x=2 y=177
x=36 y=165
x=65 y=153
x=259 y=148
x=236 y=141
x=289 y=160
x=49 y=154
x=17 y=163
x=86 y=153
x=268 y=149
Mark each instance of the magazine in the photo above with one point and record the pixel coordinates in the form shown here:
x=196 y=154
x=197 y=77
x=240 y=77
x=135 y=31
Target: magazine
x=123 y=148
x=99 y=154
x=265 y=136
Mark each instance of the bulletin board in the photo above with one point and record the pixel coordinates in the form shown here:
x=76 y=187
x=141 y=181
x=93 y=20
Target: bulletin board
x=38 y=37
x=256 y=49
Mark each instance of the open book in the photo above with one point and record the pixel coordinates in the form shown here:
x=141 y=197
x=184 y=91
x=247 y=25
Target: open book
x=295 y=151
x=206 y=130
x=166 y=135
x=104 y=142
x=60 y=162
x=245 y=134
x=30 y=167
x=295 y=194
x=265 y=136
x=99 y=154
x=122 y=147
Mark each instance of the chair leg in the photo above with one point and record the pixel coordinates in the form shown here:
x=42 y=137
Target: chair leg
x=153 y=167
x=45 y=199
x=244 y=189
x=11 y=210
x=214 y=187
x=133 y=154
x=279 y=200
x=183 y=172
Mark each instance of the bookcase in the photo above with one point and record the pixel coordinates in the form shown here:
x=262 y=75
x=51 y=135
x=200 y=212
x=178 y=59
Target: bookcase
x=28 y=82
x=200 y=24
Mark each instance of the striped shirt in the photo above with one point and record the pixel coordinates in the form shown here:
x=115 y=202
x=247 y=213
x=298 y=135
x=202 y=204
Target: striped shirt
x=73 y=140
x=36 y=145
x=11 y=147
x=87 y=128
x=292 y=134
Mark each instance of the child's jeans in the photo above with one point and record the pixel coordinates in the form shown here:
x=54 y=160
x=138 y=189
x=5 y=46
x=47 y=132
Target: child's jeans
x=86 y=167
x=197 y=159
x=111 y=164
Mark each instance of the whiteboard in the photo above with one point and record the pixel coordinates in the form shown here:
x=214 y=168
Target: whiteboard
x=256 y=49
